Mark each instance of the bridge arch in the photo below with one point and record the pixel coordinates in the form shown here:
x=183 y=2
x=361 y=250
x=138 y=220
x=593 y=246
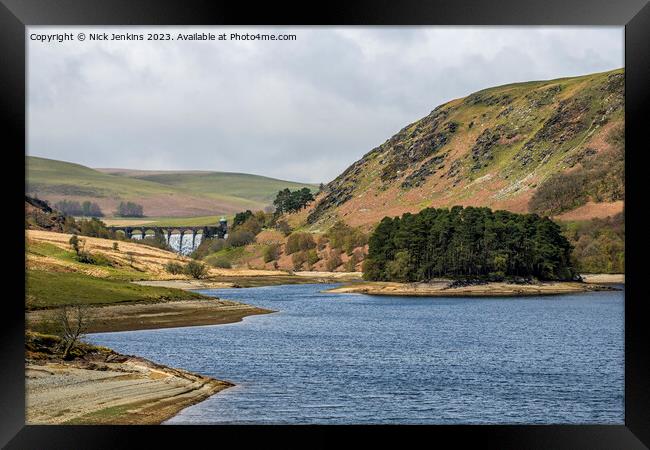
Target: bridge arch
x=206 y=231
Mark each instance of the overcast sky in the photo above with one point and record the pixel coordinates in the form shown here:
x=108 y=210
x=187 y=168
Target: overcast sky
x=299 y=110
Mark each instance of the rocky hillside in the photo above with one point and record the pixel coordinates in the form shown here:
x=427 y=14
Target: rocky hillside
x=554 y=147
x=39 y=216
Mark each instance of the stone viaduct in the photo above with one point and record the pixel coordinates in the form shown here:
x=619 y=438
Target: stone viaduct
x=207 y=231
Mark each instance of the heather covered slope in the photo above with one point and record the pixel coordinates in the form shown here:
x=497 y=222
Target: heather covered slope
x=545 y=146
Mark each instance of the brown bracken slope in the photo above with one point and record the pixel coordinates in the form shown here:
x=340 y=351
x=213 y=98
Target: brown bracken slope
x=542 y=146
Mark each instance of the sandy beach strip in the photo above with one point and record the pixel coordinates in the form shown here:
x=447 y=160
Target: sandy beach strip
x=443 y=289
x=604 y=278
x=223 y=281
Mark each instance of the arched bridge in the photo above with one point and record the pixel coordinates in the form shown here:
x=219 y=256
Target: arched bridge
x=207 y=231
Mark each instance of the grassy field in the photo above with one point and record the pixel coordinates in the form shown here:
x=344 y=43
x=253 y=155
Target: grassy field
x=166 y=221
x=189 y=221
x=110 y=270
x=51 y=289
x=162 y=194
x=55 y=277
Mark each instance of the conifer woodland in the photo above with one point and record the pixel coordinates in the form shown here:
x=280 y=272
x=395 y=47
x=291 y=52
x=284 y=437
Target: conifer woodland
x=467 y=243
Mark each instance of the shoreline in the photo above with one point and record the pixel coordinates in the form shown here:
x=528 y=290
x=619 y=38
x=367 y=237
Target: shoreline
x=226 y=281
x=103 y=387
x=155 y=315
x=97 y=389
x=106 y=387
x=603 y=278
x=442 y=288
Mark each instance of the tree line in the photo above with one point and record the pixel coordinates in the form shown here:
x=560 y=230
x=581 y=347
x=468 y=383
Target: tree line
x=75 y=208
x=92 y=209
x=129 y=209
x=599 y=244
x=292 y=201
x=467 y=243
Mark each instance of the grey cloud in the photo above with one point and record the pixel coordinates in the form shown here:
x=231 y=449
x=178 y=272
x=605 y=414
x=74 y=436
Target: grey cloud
x=300 y=110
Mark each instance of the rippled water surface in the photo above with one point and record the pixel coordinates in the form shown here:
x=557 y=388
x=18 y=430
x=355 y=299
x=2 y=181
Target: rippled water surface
x=325 y=358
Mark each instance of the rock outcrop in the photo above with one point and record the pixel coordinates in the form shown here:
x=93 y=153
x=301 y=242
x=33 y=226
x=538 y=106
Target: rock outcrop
x=40 y=216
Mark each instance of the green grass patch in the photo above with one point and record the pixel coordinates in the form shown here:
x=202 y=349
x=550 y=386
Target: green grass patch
x=105 y=416
x=53 y=289
x=188 y=221
x=50 y=250
x=113 y=271
x=233 y=255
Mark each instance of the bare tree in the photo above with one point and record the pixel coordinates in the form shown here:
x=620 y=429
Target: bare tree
x=73 y=322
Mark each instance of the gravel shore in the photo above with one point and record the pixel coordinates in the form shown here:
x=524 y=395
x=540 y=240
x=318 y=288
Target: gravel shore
x=443 y=288
x=111 y=389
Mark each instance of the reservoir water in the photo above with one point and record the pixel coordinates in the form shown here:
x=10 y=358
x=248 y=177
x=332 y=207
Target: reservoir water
x=346 y=358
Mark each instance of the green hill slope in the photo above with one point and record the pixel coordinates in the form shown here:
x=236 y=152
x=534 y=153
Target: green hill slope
x=162 y=194
x=554 y=147
x=240 y=185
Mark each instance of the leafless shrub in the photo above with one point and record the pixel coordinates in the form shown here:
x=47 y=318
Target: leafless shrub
x=72 y=324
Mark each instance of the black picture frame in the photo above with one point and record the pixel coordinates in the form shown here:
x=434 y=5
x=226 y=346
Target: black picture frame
x=15 y=15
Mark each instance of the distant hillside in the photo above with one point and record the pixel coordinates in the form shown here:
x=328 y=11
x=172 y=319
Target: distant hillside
x=169 y=194
x=249 y=187
x=552 y=147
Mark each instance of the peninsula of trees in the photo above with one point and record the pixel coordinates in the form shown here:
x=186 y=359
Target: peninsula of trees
x=467 y=243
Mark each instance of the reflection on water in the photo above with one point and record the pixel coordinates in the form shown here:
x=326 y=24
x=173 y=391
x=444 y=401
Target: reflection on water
x=337 y=359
